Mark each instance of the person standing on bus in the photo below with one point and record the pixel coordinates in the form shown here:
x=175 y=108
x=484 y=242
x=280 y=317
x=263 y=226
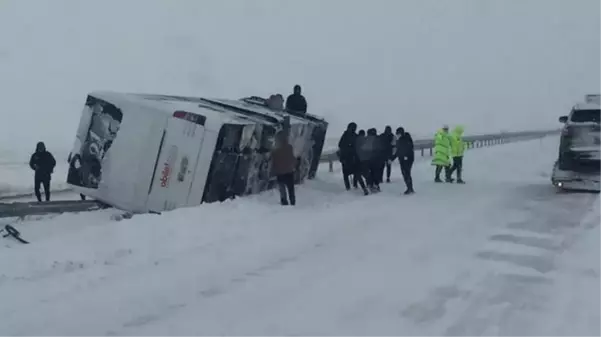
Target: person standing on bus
x=296 y=102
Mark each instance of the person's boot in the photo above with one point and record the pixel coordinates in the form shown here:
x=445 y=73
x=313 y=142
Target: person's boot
x=437 y=174
x=284 y=202
x=407 y=192
x=448 y=175
x=388 y=180
x=459 y=178
x=365 y=191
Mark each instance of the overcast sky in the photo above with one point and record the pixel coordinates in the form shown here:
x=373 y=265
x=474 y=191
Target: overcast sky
x=490 y=65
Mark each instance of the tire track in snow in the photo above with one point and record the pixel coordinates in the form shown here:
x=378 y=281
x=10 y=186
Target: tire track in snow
x=519 y=269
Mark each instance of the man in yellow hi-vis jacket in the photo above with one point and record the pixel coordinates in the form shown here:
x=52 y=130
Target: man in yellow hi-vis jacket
x=442 y=153
x=458 y=147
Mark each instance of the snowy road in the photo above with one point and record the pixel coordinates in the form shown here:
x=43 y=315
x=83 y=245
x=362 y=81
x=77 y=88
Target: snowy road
x=504 y=254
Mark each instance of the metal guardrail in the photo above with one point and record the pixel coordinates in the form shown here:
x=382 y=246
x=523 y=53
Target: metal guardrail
x=425 y=146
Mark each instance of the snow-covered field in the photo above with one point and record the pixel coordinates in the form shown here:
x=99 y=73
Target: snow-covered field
x=504 y=254
x=17 y=179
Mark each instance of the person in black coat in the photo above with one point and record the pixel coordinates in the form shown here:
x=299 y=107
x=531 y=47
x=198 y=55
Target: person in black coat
x=360 y=174
x=347 y=152
x=405 y=153
x=43 y=163
x=296 y=102
x=370 y=155
x=388 y=155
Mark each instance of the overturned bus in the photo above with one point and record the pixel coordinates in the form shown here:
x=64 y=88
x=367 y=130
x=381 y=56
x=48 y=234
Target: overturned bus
x=152 y=153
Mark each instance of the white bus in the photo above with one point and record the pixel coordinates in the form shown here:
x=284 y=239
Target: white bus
x=152 y=153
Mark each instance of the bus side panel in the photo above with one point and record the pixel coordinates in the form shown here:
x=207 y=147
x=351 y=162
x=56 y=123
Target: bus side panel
x=178 y=158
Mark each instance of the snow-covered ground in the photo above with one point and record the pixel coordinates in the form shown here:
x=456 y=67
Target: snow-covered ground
x=504 y=254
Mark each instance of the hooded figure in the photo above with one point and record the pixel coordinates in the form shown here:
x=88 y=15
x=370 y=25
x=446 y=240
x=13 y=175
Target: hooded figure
x=42 y=163
x=405 y=153
x=458 y=147
x=347 y=149
x=296 y=102
x=442 y=153
x=283 y=164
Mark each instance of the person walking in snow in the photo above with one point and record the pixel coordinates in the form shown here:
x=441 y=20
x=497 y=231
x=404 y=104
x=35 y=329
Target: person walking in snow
x=442 y=153
x=283 y=164
x=382 y=156
x=296 y=102
x=458 y=147
x=368 y=151
x=347 y=149
x=347 y=152
x=42 y=163
x=388 y=144
x=406 y=154
x=359 y=174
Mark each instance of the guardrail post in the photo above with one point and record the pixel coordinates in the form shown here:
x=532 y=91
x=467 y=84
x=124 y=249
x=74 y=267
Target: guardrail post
x=430 y=151
x=422 y=151
x=331 y=164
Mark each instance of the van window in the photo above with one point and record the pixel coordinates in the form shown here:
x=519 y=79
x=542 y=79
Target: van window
x=583 y=116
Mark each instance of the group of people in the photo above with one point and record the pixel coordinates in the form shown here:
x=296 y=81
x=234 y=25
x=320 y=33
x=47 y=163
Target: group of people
x=366 y=156
x=448 y=154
